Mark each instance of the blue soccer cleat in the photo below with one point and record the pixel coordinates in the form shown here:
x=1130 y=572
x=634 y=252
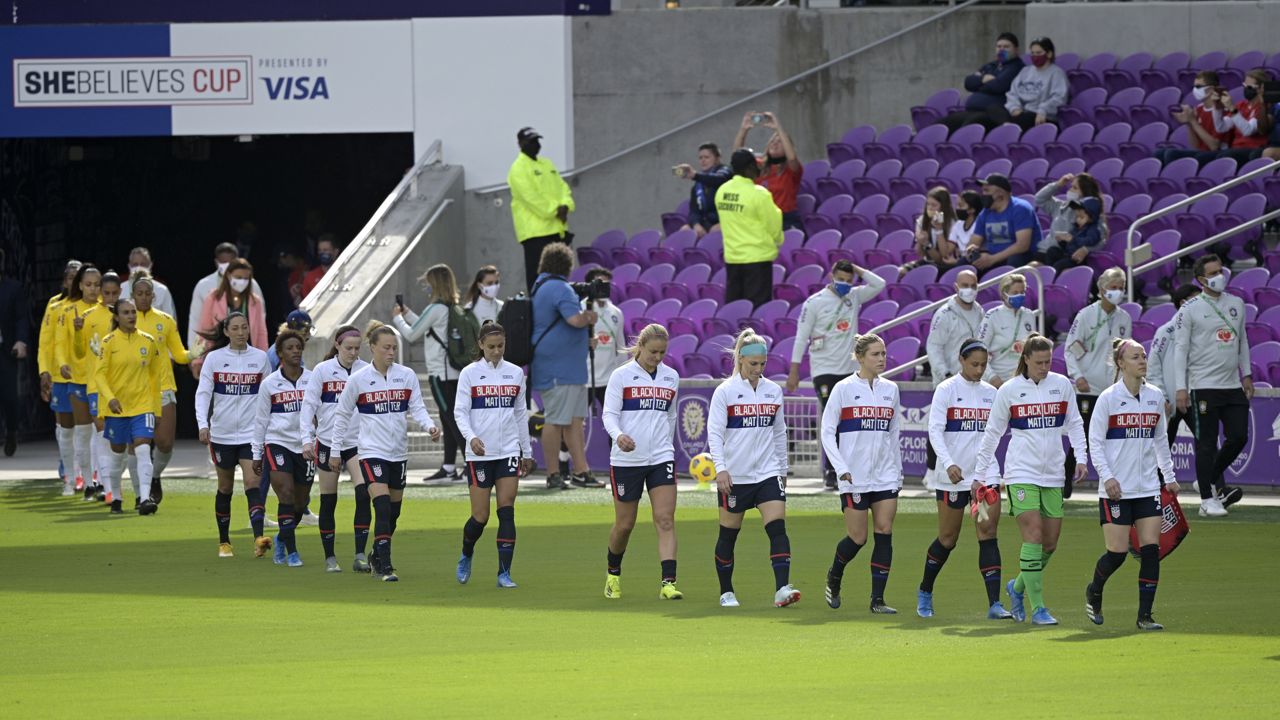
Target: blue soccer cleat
x=464 y=570
x=997 y=612
x=281 y=555
x=924 y=604
x=1016 y=608
x=1042 y=617
x=505 y=581
x=295 y=560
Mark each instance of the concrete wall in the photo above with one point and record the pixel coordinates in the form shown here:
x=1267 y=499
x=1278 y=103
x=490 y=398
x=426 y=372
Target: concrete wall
x=1156 y=27
x=639 y=73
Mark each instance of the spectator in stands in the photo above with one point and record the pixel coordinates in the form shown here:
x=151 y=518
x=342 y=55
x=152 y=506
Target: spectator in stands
x=711 y=174
x=1215 y=381
x=1062 y=215
x=294 y=265
x=936 y=233
x=989 y=85
x=828 y=329
x=953 y=323
x=1272 y=151
x=482 y=296
x=1005 y=327
x=1006 y=231
x=561 y=331
x=1249 y=121
x=432 y=327
x=1086 y=236
x=298 y=321
x=1088 y=349
x=15 y=334
x=780 y=171
x=968 y=205
x=1037 y=92
x=223 y=255
x=1203 y=138
x=1160 y=365
x=540 y=202
x=234 y=295
x=140 y=259
x=327 y=252
x=609 y=341
x=752 y=227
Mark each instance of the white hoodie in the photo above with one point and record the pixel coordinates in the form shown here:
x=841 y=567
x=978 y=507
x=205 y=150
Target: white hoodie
x=228 y=388
x=860 y=432
x=1128 y=440
x=377 y=408
x=490 y=405
x=642 y=407
x=957 y=424
x=1040 y=414
x=279 y=410
x=320 y=406
x=746 y=432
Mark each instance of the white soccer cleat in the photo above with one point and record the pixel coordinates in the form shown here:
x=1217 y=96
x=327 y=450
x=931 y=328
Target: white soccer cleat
x=1212 y=507
x=310 y=520
x=728 y=600
x=68 y=490
x=785 y=596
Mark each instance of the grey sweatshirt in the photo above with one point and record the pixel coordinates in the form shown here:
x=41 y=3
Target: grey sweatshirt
x=1038 y=90
x=1209 y=347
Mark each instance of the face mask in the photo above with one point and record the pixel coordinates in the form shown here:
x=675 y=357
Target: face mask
x=1016 y=301
x=239 y=284
x=1250 y=92
x=1039 y=60
x=133 y=269
x=326 y=259
x=842 y=288
x=1002 y=55
x=962 y=215
x=1200 y=93
x=1072 y=196
x=490 y=291
x=987 y=202
x=222 y=268
x=967 y=294
x=1217 y=283
x=1115 y=297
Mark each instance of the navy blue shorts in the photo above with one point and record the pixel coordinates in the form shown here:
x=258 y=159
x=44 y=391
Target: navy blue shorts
x=864 y=501
x=60 y=398
x=955 y=499
x=228 y=456
x=629 y=482
x=323 y=451
x=283 y=460
x=482 y=474
x=748 y=495
x=1126 y=512
x=388 y=472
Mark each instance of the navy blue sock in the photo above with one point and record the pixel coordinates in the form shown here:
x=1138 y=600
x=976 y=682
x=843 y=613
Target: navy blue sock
x=382 y=531
x=328 y=523
x=613 y=562
x=506 y=537
x=846 y=551
x=779 y=552
x=1148 y=579
x=724 y=557
x=881 y=561
x=288 y=526
x=396 y=506
x=935 y=558
x=363 y=517
x=222 y=513
x=1108 y=563
x=471 y=532
x=668 y=570
x=256 y=510
x=989 y=566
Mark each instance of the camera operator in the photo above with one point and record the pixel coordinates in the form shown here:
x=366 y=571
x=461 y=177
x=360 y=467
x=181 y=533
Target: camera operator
x=608 y=337
x=561 y=331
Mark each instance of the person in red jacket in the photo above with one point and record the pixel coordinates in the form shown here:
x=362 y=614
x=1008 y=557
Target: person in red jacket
x=1249 y=118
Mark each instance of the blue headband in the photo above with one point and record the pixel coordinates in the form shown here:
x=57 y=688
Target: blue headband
x=975 y=345
x=755 y=348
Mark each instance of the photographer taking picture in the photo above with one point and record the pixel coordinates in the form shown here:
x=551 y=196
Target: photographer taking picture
x=561 y=333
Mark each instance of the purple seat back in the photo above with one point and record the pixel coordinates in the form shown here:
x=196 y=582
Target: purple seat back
x=1160 y=314
x=859 y=136
x=626 y=274
x=1251 y=279
x=871 y=205
x=955 y=174
x=657 y=274
x=694 y=275
x=663 y=310
x=1031 y=144
x=771 y=311
x=1077 y=281
x=699 y=310
x=1133 y=206
x=897 y=243
x=836 y=206
x=1164 y=71
x=846 y=171
x=876 y=313
x=1246 y=61
x=735 y=311
x=805 y=276
x=1004 y=166
x=902 y=350
x=1107 y=169
x=887 y=144
x=859 y=243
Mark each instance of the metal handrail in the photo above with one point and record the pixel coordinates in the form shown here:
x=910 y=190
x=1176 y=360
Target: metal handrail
x=1128 y=241
x=899 y=320
x=1153 y=264
x=746 y=99
x=407 y=184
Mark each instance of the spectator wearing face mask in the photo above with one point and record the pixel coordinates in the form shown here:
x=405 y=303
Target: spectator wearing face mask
x=294 y=266
x=989 y=85
x=1249 y=120
x=1086 y=236
x=140 y=260
x=481 y=298
x=233 y=295
x=711 y=174
x=1038 y=91
x=1204 y=140
x=223 y=255
x=327 y=252
x=968 y=205
x=1004 y=328
x=1063 y=216
x=1007 y=230
x=935 y=236
x=780 y=171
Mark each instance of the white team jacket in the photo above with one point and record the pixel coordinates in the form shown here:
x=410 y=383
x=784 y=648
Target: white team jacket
x=377 y=408
x=320 y=406
x=957 y=422
x=279 y=410
x=1003 y=330
x=643 y=407
x=1128 y=441
x=228 y=388
x=951 y=326
x=1088 y=345
x=490 y=405
x=746 y=432
x=860 y=435
x=1039 y=415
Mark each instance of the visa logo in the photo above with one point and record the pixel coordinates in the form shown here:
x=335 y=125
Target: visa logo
x=303 y=87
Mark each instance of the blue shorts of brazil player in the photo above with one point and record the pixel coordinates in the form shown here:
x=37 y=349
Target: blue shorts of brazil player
x=80 y=392
x=283 y=460
x=60 y=398
x=864 y=501
x=1126 y=512
x=324 y=451
x=955 y=499
x=124 y=430
x=483 y=474
x=228 y=457
x=388 y=472
x=746 y=496
x=629 y=482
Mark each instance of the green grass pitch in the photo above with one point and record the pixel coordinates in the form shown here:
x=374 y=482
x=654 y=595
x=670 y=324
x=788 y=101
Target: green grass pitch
x=137 y=617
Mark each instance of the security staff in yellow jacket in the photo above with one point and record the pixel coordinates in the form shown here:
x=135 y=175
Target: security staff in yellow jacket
x=540 y=202
x=752 y=228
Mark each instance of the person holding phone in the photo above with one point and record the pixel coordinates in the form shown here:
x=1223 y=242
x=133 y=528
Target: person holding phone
x=1248 y=120
x=710 y=175
x=935 y=239
x=1204 y=140
x=780 y=169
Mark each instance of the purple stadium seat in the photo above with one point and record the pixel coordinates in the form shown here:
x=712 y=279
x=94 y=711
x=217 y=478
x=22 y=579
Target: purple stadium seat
x=637 y=248
x=1133 y=309
x=1129 y=209
x=822 y=244
x=876 y=314
x=763 y=318
x=1215 y=60
x=1070 y=139
x=911 y=286
x=806 y=204
x=1266 y=298
x=913 y=179
x=1134 y=179
x=1215 y=172
x=580 y=272
x=1166 y=222
x=1155 y=107
x=838 y=183
x=1246 y=208
x=1247 y=61
x=922 y=145
x=876 y=179
x=996 y=143
x=1256 y=185
x=1258 y=333
x=1125 y=73
x=728 y=318
x=1077 y=281
x=1074 y=166
x=601 y=249
x=686 y=282
x=1089 y=74
x=1250 y=281
x=789 y=293
x=1116 y=108
x=672 y=248
x=1004 y=166
x=1106 y=170
x=1197 y=223
x=960 y=144
x=807 y=275
x=625 y=274
x=887 y=144
x=945 y=285
x=1173 y=177
x=791 y=241
x=1031 y=144
x=863 y=214
x=859 y=243
x=698 y=367
x=898 y=244
x=954 y=176
x=933 y=110
x=1081 y=107
x=1164 y=71
x=813 y=170
x=828 y=215
x=850 y=146
x=903 y=350
x=1163 y=243
x=681 y=345
x=1106 y=144
x=1143 y=331
x=633 y=307
x=1025 y=175
x=1143 y=143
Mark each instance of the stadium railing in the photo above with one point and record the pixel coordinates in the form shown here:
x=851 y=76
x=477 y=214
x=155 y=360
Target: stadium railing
x=1138 y=259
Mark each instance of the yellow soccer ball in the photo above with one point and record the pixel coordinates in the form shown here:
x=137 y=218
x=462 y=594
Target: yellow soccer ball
x=702 y=469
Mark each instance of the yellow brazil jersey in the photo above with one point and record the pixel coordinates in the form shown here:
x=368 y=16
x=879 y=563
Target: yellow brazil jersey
x=129 y=371
x=65 y=351
x=48 y=334
x=750 y=222
x=161 y=326
x=87 y=342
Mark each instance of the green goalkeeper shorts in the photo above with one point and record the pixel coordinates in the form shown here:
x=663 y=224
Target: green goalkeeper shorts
x=1033 y=498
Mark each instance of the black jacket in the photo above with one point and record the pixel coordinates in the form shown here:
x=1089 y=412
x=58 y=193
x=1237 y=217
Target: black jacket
x=702 y=196
x=991 y=93
x=15 y=318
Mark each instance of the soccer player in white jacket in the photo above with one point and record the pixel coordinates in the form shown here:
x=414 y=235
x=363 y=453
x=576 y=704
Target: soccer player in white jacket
x=1004 y=329
x=277 y=438
x=957 y=421
x=492 y=416
x=376 y=405
x=1127 y=443
x=860 y=431
x=229 y=383
x=319 y=411
x=747 y=439
x=1040 y=407
x=640 y=417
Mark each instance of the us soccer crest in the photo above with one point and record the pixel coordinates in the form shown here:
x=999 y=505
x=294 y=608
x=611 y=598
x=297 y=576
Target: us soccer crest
x=733 y=501
x=857 y=498
x=377 y=471
x=622 y=490
x=479 y=476
x=1115 y=511
x=279 y=459
x=951 y=496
